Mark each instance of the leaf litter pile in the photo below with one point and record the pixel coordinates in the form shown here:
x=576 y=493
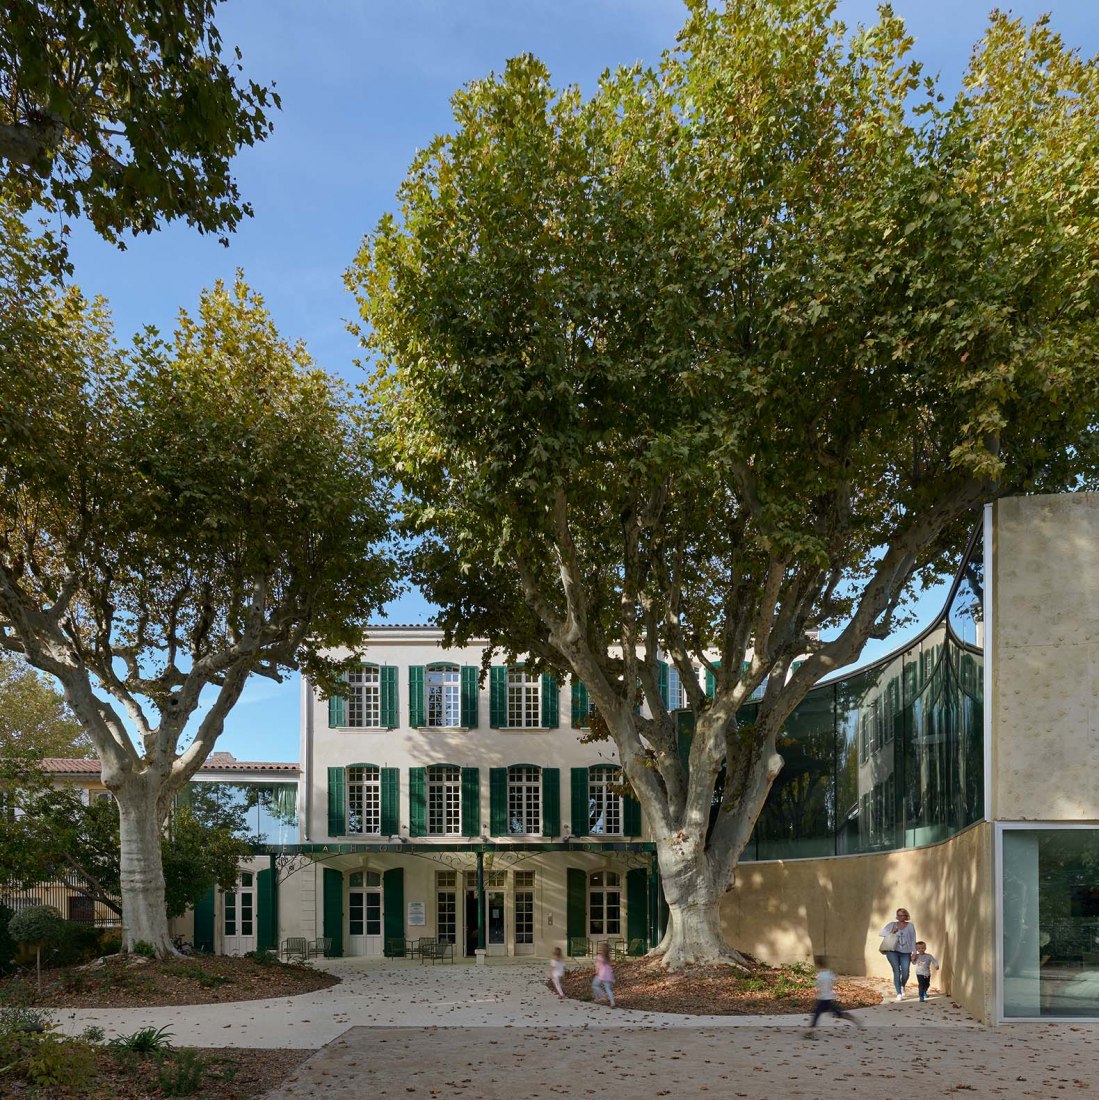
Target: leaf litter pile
x=720 y=990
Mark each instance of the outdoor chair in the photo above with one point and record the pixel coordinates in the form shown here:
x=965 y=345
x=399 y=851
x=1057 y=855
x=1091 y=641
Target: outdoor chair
x=320 y=946
x=579 y=947
x=295 y=945
x=396 y=947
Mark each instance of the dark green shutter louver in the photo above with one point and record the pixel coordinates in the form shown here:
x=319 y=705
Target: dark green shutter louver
x=204 y=922
x=637 y=909
x=662 y=683
x=391 y=801
x=470 y=674
x=551 y=702
x=551 y=802
x=580 y=704
x=711 y=681
x=631 y=816
x=335 y=712
x=389 y=697
x=337 y=802
x=576 y=911
x=393 y=904
x=417 y=801
x=581 y=802
x=471 y=802
x=684 y=735
x=333 y=910
x=498 y=801
x=267 y=910
x=416 y=717
x=498 y=697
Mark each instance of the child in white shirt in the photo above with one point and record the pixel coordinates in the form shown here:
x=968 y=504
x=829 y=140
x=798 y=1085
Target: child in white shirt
x=923 y=963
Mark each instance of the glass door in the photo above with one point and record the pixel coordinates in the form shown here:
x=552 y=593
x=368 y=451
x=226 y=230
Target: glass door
x=364 y=913
x=239 y=917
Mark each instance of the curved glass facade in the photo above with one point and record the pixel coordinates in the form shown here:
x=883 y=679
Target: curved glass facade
x=891 y=756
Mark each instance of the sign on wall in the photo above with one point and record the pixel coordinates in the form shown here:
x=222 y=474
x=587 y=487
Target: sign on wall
x=417 y=914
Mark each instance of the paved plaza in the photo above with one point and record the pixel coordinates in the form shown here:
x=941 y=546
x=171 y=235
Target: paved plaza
x=398 y=1028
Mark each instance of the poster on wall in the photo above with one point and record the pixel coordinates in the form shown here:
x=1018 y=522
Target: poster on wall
x=417 y=914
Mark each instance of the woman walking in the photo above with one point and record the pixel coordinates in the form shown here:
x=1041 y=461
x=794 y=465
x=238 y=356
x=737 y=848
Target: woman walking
x=901 y=934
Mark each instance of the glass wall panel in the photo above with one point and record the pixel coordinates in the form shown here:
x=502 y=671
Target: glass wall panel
x=799 y=817
x=891 y=756
x=266 y=812
x=1051 y=922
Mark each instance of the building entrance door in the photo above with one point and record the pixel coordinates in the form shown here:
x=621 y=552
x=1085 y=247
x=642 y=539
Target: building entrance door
x=239 y=916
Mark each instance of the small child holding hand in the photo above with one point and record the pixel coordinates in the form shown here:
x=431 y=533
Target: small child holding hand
x=923 y=963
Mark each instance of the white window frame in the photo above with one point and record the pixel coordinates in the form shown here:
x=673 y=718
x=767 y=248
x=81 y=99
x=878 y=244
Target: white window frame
x=364 y=697
x=603 y=803
x=443 y=798
x=444 y=682
x=602 y=884
x=364 y=800
x=524 y=699
x=524 y=800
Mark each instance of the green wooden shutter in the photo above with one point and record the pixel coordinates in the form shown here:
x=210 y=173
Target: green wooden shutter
x=267 y=910
x=471 y=801
x=389 y=697
x=498 y=801
x=335 y=711
x=576 y=911
x=551 y=801
x=391 y=801
x=417 y=801
x=498 y=697
x=581 y=802
x=631 y=816
x=662 y=682
x=550 y=702
x=470 y=691
x=203 y=935
x=711 y=684
x=637 y=907
x=416 y=696
x=393 y=903
x=684 y=735
x=337 y=802
x=333 y=910
x=580 y=704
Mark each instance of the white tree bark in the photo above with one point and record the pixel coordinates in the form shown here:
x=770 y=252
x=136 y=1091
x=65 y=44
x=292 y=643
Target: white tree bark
x=144 y=912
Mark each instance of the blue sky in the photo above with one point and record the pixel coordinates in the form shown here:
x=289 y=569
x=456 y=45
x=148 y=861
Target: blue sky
x=364 y=84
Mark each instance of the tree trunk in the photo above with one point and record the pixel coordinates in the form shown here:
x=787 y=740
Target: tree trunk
x=694 y=923
x=144 y=913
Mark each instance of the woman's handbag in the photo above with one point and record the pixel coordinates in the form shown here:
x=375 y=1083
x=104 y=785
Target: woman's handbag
x=888 y=943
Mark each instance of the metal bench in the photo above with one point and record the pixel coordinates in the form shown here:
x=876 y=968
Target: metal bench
x=322 y=945
x=579 y=947
x=435 y=951
x=295 y=945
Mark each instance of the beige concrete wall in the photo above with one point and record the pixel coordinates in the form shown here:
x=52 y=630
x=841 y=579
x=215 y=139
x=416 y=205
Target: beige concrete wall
x=1045 y=658
x=789 y=911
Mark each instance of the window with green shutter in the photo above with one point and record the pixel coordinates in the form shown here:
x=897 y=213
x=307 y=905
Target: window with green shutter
x=551 y=801
x=471 y=801
x=551 y=702
x=337 y=804
x=267 y=909
x=576 y=911
x=391 y=801
x=393 y=904
x=389 y=697
x=335 y=712
x=498 y=697
x=498 y=801
x=581 y=706
x=580 y=801
x=416 y=717
x=631 y=816
x=417 y=801
x=470 y=692
x=662 y=683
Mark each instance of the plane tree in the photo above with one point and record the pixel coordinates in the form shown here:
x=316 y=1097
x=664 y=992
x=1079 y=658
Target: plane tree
x=175 y=516
x=710 y=367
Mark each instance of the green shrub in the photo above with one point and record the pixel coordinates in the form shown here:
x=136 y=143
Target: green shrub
x=262 y=956
x=110 y=941
x=76 y=943
x=21 y=1019
x=144 y=949
x=212 y=981
x=93 y=1033
x=55 y=1062
x=146 y=1040
x=7 y=941
x=181 y=1073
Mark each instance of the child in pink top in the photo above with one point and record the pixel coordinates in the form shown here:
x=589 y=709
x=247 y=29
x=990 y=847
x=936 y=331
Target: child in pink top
x=603 y=983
